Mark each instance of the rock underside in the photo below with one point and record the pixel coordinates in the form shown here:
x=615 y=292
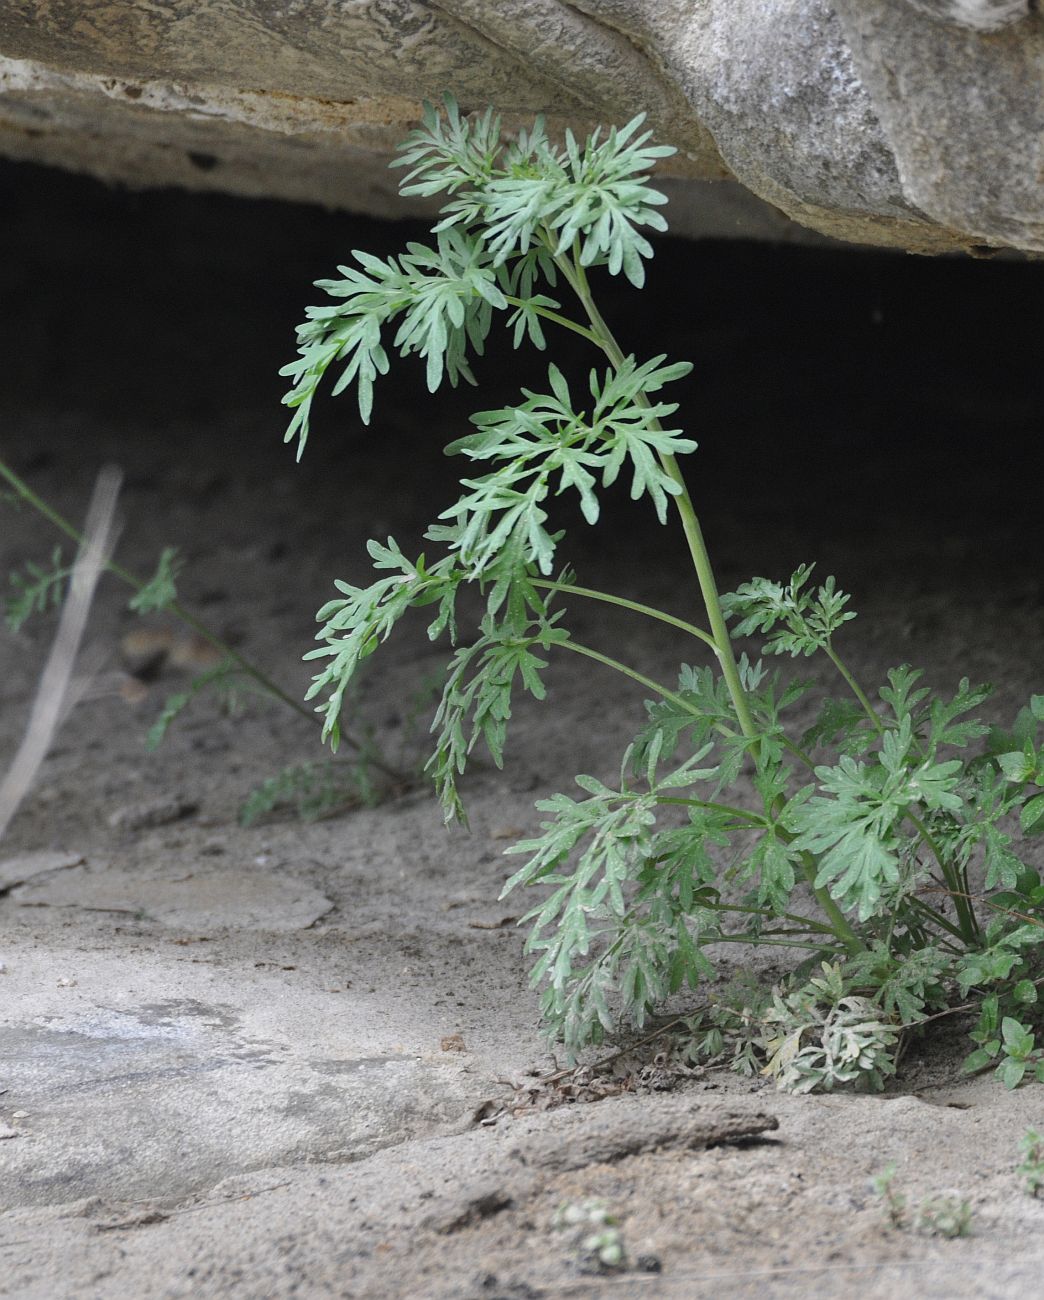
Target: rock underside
x=906 y=123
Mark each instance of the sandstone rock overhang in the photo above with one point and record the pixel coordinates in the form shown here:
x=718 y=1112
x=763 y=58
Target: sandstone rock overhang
x=915 y=124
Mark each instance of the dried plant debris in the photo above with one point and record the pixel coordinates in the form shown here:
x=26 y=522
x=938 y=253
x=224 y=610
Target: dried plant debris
x=633 y=1071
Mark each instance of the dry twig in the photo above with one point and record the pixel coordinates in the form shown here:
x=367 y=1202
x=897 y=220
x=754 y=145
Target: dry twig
x=57 y=692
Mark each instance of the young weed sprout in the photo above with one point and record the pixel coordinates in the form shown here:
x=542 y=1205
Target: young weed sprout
x=862 y=860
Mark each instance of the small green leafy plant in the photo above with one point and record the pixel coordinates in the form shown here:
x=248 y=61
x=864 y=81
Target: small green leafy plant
x=35 y=589
x=882 y=1185
x=934 y=1216
x=1032 y=1167
x=595 y=1235
x=854 y=841
x=1005 y=1041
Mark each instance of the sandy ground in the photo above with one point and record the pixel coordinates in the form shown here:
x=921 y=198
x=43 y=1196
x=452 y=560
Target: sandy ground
x=254 y=1062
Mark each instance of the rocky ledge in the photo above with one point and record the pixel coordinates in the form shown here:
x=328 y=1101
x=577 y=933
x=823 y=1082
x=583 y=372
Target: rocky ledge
x=907 y=123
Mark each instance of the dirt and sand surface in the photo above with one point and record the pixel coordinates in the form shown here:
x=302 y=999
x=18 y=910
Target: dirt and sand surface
x=255 y=1061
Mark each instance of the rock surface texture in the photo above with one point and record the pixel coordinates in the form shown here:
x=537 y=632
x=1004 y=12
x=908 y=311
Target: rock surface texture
x=909 y=123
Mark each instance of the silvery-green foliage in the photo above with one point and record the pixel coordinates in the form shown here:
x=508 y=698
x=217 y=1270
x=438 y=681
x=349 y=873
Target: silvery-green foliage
x=160 y=592
x=854 y=839
x=592 y=195
x=35 y=589
x=514 y=207
x=850 y=1043
x=800 y=623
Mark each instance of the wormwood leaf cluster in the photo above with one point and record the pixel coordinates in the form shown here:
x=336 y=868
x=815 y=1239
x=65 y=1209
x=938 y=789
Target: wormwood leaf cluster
x=517 y=208
x=35 y=589
x=885 y=842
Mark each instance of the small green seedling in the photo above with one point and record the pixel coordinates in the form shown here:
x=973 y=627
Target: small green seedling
x=854 y=841
x=595 y=1233
x=894 y=1202
x=1032 y=1167
x=934 y=1216
x=943 y=1216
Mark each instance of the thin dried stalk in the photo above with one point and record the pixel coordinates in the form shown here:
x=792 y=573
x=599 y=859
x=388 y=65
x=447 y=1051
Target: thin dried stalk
x=57 y=692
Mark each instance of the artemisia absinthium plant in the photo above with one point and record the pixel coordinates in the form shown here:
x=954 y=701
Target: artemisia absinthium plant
x=862 y=860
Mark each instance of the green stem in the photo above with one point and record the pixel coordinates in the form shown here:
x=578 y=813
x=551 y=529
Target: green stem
x=931 y=916
x=797 y=752
x=753 y=819
x=798 y=929
x=272 y=688
x=969 y=924
x=841 y=927
x=722 y=642
x=854 y=687
x=649 y=611
x=577 y=278
x=782 y=943
x=558 y=319
x=807 y=923
x=656 y=687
